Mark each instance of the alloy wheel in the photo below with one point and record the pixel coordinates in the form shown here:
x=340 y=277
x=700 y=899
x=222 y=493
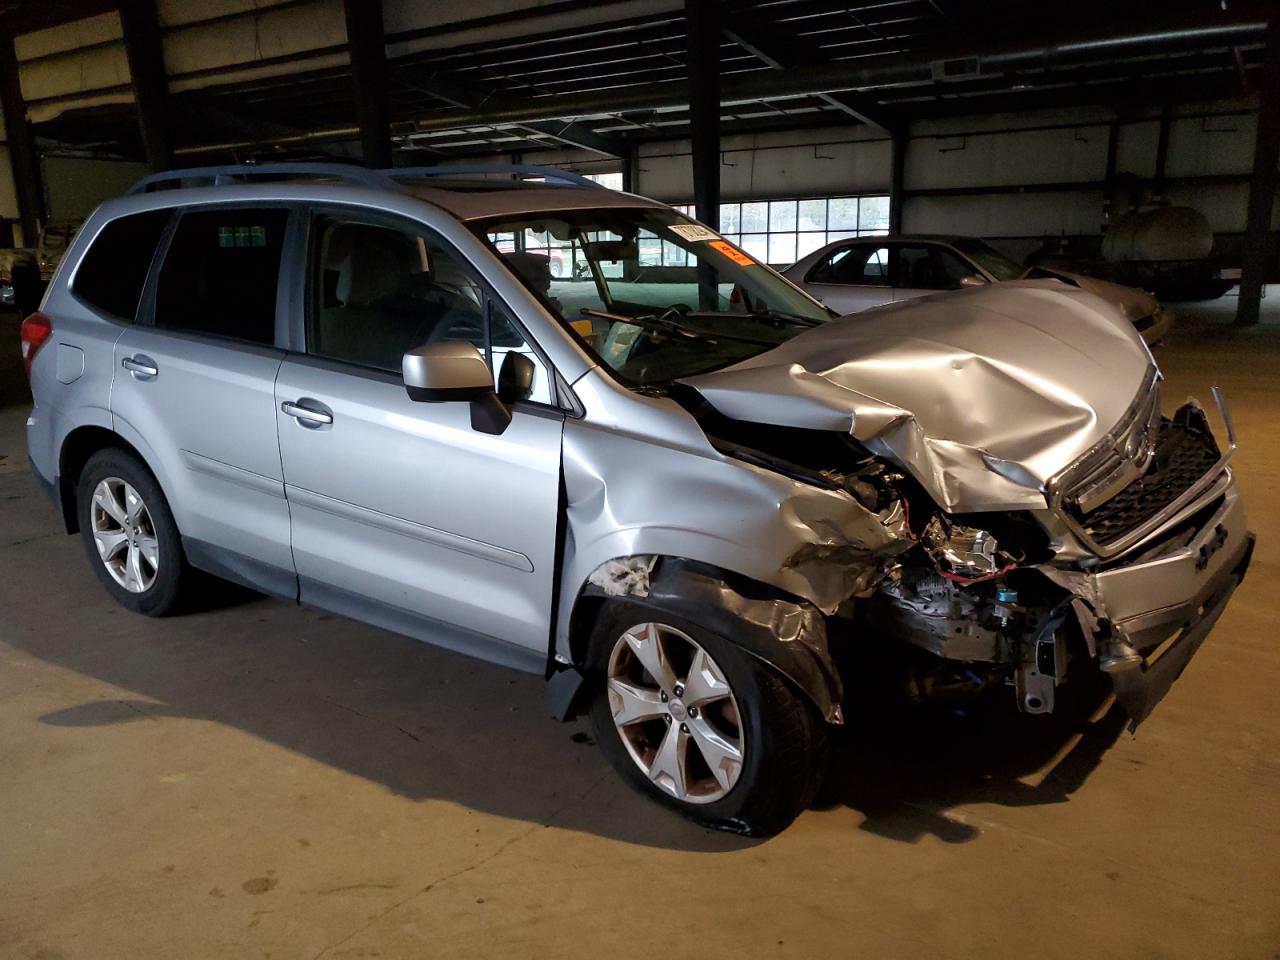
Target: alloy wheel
x=675 y=712
x=124 y=534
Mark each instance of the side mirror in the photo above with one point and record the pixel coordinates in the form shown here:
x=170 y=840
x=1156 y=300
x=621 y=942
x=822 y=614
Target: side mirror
x=515 y=377
x=973 y=280
x=453 y=371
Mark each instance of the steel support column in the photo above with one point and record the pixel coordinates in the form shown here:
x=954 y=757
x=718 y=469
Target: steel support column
x=704 y=107
x=1262 y=188
x=143 y=47
x=22 y=146
x=897 y=180
x=367 y=44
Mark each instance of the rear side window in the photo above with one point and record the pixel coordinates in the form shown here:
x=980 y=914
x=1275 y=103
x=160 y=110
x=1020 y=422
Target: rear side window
x=114 y=270
x=220 y=273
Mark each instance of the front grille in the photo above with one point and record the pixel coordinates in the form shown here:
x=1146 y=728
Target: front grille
x=1184 y=453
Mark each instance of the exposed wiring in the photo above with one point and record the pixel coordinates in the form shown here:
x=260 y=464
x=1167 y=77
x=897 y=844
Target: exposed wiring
x=967 y=581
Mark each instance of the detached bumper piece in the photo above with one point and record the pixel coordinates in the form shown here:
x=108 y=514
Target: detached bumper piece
x=1142 y=682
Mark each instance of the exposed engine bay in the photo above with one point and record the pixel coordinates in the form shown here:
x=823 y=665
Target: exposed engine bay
x=1010 y=598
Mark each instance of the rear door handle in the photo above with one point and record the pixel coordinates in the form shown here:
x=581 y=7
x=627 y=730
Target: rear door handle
x=306 y=415
x=141 y=366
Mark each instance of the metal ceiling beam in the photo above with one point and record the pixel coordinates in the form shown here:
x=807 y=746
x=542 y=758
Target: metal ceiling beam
x=579 y=135
x=571 y=133
x=1112 y=40
x=776 y=45
x=882 y=71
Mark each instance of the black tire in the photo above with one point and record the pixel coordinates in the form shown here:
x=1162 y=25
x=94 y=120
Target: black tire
x=166 y=593
x=786 y=740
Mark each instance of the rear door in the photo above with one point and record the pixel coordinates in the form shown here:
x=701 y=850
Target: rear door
x=852 y=278
x=403 y=514
x=195 y=389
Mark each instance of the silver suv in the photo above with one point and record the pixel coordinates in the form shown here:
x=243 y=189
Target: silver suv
x=667 y=478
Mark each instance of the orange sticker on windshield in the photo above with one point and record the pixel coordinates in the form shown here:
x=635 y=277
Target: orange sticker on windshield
x=732 y=252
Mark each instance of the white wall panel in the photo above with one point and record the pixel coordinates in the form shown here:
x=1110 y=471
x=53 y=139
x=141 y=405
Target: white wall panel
x=1006 y=215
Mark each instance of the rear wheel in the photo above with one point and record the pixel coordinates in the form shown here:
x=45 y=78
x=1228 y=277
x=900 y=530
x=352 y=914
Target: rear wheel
x=129 y=534
x=693 y=721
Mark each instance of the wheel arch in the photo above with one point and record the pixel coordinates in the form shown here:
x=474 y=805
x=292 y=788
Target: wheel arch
x=780 y=629
x=77 y=447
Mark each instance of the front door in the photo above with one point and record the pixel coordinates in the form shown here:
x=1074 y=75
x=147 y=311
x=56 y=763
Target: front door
x=402 y=514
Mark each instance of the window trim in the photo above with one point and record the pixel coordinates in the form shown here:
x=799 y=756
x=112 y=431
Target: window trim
x=562 y=403
x=284 y=279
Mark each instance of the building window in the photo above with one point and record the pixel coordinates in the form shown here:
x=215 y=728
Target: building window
x=780 y=232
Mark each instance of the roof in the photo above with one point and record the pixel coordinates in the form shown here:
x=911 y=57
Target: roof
x=468 y=192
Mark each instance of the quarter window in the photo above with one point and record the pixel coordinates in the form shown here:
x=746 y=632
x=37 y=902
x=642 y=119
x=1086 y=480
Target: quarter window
x=114 y=270
x=221 y=272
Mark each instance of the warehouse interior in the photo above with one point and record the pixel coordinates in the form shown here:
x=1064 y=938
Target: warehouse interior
x=252 y=779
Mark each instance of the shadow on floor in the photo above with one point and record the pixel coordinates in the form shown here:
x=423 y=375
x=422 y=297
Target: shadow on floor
x=903 y=767
x=428 y=724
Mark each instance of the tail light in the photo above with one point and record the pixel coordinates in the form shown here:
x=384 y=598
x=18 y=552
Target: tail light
x=36 y=330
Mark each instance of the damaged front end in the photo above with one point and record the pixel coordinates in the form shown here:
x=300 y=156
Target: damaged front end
x=1030 y=508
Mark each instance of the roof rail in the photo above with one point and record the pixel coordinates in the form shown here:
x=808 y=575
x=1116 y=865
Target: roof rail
x=360 y=176
x=521 y=170
x=232 y=173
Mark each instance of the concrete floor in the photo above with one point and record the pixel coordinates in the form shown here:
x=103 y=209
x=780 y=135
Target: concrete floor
x=263 y=781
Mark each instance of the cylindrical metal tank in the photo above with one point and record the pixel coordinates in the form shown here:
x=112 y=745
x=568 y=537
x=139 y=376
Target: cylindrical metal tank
x=1158 y=233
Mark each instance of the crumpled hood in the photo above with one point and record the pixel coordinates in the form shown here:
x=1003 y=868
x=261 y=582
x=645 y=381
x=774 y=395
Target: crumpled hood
x=983 y=394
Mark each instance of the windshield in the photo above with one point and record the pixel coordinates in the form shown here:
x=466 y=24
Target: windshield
x=990 y=259
x=655 y=295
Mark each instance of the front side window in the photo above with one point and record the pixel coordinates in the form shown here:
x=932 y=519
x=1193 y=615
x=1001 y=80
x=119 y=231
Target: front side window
x=221 y=272
x=864 y=265
x=378 y=292
x=113 y=272
x=990 y=259
x=929 y=267
x=654 y=295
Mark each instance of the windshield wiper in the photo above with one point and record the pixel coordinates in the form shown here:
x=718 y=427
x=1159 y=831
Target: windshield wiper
x=660 y=323
x=795 y=318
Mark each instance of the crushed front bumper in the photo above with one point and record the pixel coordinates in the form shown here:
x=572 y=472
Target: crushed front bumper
x=1157 y=610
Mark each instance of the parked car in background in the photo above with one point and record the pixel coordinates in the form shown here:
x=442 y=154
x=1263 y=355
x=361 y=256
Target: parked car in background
x=680 y=493
x=858 y=273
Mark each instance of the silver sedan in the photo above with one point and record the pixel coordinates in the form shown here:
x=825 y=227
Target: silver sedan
x=856 y=274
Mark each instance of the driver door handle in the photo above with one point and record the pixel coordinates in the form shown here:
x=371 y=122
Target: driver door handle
x=305 y=415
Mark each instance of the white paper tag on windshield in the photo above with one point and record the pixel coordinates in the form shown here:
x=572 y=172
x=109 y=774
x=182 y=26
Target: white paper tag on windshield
x=693 y=231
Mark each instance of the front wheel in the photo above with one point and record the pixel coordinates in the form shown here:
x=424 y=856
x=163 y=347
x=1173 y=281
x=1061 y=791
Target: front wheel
x=690 y=719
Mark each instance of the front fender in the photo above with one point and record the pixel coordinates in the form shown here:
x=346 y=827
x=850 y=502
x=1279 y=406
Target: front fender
x=785 y=632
